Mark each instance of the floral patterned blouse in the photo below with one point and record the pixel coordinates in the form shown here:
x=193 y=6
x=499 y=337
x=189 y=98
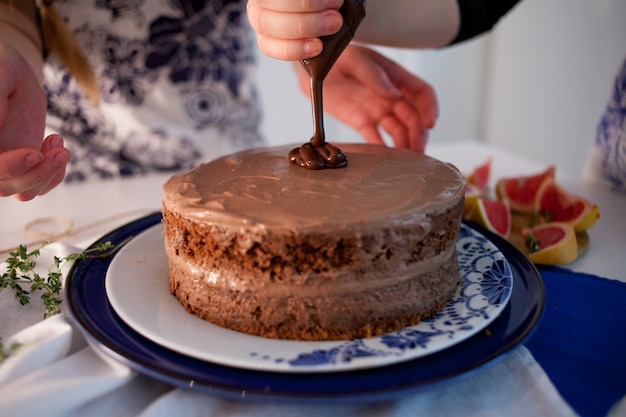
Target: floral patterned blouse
x=607 y=161
x=176 y=81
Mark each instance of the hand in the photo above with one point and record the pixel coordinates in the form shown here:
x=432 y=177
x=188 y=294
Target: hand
x=368 y=91
x=27 y=172
x=289 y=30
x=28 y=167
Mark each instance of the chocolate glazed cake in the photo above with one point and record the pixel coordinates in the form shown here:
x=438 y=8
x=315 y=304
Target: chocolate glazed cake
x=260 y=245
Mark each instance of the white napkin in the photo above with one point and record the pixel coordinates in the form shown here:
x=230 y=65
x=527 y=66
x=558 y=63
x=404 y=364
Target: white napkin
x=16 y=317
x=56 y=373
x=50 y=375
x=516 y=386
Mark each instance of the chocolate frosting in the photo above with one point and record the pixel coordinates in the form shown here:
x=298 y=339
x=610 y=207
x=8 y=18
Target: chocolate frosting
x=317 y=154
x=258 y=189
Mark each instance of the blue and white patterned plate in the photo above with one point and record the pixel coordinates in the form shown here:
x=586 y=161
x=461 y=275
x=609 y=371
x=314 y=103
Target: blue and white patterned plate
x=138 y=290
x=90 y=310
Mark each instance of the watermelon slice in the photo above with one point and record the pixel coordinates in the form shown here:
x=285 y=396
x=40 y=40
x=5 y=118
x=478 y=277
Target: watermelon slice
x=521 y=192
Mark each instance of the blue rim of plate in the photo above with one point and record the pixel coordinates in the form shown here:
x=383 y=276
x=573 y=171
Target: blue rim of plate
x=89 y=308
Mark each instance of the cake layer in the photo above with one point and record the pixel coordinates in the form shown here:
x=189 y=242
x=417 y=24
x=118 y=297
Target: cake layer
x=309 y=263
x=357 y=314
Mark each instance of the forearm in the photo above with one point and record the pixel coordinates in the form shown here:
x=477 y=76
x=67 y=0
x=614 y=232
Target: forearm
x=429 y=23
x=19 y=29
x=410 y=23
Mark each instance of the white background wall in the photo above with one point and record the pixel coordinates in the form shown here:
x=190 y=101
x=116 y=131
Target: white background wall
x=553 y=63
x=535 y=85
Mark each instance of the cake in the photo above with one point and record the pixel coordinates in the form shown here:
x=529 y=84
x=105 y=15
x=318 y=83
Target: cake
x=262 y=246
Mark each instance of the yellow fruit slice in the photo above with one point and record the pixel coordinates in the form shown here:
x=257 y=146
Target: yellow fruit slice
x=472 y=194
x=551 y=244
x=587 y=219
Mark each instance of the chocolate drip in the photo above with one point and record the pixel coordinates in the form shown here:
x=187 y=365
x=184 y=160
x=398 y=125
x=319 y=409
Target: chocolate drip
x=319 y=136
x=318 y=157
x=317 y=154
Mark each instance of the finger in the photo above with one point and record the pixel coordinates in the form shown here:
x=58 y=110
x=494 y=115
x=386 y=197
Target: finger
x=30 y=183
x=292 y=6
x=294 y=25
x=422 y=96
x=52 y=141
x=17 y=161
x=417 y=142
x=289 y=50
x=396 y=130
x=370 y=134
x=410 y=117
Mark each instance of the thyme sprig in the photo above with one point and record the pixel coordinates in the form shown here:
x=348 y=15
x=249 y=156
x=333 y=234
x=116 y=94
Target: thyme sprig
x=22 y=278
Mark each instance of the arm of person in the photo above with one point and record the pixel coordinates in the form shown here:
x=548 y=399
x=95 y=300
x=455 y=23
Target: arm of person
x=429 y=23
x=289 y=30
x=29 y=165
x=410 y=23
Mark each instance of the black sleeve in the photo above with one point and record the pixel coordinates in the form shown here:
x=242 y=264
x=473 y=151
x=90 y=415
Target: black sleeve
x=479 y=16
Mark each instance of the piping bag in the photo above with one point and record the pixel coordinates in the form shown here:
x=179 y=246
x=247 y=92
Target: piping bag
x=317 y=154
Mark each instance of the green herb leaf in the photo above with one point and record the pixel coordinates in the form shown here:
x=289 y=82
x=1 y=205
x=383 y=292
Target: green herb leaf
x=21 y=271
x=532 y=243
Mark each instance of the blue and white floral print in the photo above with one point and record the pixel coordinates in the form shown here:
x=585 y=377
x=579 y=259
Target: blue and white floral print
x=176 y=80
x=611 y=135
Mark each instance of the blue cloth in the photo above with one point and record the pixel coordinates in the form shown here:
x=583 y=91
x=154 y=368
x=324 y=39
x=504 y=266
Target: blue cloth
x=581 y=339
